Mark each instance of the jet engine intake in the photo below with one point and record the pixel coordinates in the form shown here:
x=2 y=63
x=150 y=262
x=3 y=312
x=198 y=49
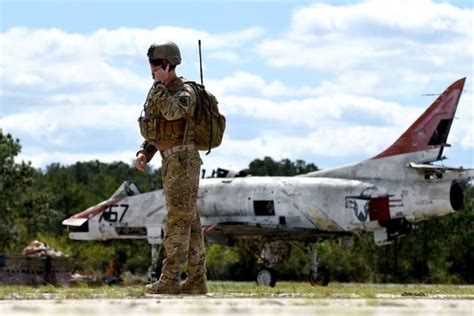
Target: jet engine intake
x=84 y=228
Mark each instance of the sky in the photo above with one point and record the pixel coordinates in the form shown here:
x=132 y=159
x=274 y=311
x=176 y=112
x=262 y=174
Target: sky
x=327 y=82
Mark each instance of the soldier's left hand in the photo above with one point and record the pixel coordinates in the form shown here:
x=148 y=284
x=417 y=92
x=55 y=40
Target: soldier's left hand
x=140 y=162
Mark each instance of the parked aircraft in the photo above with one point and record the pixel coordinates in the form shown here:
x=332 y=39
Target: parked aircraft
x=385 y=195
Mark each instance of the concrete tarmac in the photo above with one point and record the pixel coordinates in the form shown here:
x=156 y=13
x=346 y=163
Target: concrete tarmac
x=211 y=305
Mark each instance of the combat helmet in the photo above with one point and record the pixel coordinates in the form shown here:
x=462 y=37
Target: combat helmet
x=165 y=50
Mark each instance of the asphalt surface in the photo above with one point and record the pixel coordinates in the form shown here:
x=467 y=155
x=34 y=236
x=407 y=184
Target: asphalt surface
x=211 y=305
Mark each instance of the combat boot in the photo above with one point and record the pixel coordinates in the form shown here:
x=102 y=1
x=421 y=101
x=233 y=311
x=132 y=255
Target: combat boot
x=163 y=287
x=194 y=286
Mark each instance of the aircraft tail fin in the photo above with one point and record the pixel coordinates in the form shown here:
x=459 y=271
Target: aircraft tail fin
x=432 y=128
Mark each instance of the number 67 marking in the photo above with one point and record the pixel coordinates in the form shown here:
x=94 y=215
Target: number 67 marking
x=111 y=215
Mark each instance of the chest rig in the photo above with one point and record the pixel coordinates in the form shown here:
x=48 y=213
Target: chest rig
x=155 y=128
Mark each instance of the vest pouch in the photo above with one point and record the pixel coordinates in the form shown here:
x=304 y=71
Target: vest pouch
x=148 y=128
x=171 y=133
x=174 y=130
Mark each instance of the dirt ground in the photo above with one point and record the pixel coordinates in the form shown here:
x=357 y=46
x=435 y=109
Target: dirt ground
x=212 y=305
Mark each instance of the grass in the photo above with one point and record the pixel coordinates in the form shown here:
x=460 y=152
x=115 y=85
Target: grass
x=248 y=289
x=339 y=290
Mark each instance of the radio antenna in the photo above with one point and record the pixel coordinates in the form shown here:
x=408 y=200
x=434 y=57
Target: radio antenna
x=200 y=60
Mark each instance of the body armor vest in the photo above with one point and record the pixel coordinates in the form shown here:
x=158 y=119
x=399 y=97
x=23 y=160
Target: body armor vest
x=163 y=134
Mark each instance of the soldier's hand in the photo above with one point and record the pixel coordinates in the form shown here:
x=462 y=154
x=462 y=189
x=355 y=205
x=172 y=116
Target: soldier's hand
x=140 y=162
x=161 y=75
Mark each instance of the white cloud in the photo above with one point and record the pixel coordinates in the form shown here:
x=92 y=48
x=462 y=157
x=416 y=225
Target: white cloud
x=22 y=43
x=366 y=61
x=56 y=125
x=227 y=56
x=52 y=58
x=419 y=16
x=336 y=125
x=462 y=130
x=321 y=111
x=328 y=142
x=406 y=44
x=245 y=83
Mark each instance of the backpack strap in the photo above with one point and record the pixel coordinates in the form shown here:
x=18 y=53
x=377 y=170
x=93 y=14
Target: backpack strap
x=210 y=134
x=189 y=118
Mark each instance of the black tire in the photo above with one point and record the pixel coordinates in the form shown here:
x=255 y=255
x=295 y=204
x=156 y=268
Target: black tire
x=266 y=277
x=153 y=277
x=321 y=278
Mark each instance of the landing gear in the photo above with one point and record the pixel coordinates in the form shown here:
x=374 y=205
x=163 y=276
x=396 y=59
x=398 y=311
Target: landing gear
x=272 y=253
x=266 y=277
x=317 y=275
x=275 y=252
x=153 y=274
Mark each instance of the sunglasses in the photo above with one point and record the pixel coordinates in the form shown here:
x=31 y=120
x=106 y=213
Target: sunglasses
x=157 y=62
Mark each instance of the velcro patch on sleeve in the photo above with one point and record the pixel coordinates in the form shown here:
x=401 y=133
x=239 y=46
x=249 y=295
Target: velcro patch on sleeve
x=183 y=98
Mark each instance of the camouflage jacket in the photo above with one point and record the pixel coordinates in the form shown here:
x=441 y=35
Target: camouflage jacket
x=168 y=103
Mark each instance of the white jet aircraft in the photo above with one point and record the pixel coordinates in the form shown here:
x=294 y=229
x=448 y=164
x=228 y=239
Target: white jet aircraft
x=386 y=195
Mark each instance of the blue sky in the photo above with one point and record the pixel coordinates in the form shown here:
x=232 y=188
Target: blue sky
x=329 y=82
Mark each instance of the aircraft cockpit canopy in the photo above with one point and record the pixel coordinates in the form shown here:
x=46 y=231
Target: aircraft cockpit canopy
x=228 y=173
x=127 y=188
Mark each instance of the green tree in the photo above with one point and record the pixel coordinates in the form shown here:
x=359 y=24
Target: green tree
x=15 y=181
x=268 y=167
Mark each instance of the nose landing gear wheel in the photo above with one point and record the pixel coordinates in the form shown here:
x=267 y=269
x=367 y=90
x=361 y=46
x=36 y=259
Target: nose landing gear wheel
x=266 y=277
x=319 y=278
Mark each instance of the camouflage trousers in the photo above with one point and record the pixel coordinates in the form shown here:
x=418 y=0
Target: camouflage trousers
x=183 y=239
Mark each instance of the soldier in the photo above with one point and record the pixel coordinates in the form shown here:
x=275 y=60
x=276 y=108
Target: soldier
x=167 y=128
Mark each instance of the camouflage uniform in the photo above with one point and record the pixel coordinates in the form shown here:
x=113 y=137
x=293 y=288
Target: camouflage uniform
x=183 y=240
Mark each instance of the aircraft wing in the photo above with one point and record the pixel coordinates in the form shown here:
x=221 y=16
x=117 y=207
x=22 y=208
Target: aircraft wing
x=254 y=230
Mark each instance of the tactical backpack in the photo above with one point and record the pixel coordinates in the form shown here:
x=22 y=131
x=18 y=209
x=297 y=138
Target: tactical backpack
x=209 y=123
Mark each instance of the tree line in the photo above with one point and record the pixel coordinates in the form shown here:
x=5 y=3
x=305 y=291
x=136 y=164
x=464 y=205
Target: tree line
x=34 y=202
